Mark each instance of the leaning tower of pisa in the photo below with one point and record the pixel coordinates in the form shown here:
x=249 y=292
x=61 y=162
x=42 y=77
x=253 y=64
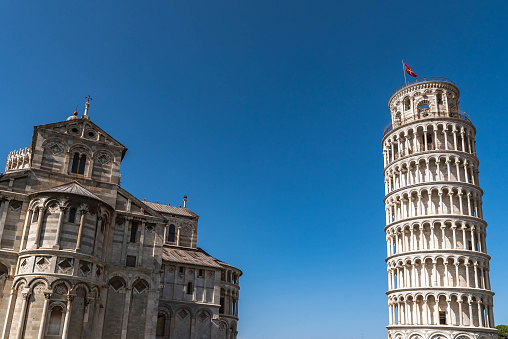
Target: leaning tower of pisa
x=437 y=261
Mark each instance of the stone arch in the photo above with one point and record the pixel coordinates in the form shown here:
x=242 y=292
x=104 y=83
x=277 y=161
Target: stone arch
x=83 y=285
x=223 y=329
x=37 y=280
x=79 y=159
x=203 y=323
x=140 y=285
x=115 y=302
x=140 y=276
x=183 y=318
x=35 y=203
x=81 y=148
x=55 y=318
x=60 y=290
x=36 y=300
x=19 y=283
x=102 y=164
x=138 y=306
x=163 y=328
x=100 y=152
x=117 y=283
x=79 y=308
x=439 y=336
x=118 y=274
x=53 y=140
x=51 y=202
x=54 y=151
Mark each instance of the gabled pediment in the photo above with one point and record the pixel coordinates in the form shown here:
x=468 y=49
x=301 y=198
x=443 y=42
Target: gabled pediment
x=136 y=205
x=82 y=128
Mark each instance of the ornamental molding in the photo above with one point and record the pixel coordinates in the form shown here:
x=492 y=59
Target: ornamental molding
x=55 y=148
x=425 y=123
x=424 y=86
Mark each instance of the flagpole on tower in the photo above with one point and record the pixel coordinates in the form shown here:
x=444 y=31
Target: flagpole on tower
x=404 y=71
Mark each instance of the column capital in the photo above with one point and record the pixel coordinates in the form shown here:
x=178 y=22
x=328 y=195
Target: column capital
x=26 y=295
x=48 y=295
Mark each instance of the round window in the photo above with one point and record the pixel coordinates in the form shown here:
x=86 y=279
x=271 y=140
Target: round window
x=91 y=134
x=74 y=130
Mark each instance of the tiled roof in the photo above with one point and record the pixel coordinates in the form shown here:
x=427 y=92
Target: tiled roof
x=193 y=256
x=72 y=188
x=166 y=209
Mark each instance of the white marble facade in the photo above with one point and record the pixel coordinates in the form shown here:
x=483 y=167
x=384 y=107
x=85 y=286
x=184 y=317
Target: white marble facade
x=437 y=261
x=80 y=257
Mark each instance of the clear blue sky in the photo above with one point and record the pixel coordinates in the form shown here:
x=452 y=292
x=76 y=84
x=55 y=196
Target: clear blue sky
x=269 y=116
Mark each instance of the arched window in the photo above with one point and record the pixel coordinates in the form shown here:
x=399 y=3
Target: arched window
x=78 y=163
x=171 y=233
x=161 y=325
x=190 y=290
x=55 y=321
x=117 y=283
x=407 y=104
x=424 y=109
x=397 y=118
x=72 y=215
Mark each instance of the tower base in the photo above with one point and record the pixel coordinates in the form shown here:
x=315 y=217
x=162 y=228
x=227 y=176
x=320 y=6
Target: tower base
x=440 y=332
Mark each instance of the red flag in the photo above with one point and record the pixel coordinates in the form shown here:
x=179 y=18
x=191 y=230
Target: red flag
x=409 y=70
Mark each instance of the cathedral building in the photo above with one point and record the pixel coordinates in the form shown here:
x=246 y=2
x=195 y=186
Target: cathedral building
x=437 y=261
x=80 y=257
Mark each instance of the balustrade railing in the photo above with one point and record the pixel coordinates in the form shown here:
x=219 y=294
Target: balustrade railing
x=430 y=147
x=19 y=159
x=426 y=115
x=418 y=80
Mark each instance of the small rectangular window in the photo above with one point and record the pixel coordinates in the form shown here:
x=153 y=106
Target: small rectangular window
x=134 y=231
x=72 y=215
x=171 y=233
x=82 y=163
x=75 y=163
x=200 y=272
x=35 y=216
x=131 y=261
x=442 y=318
x=182 y=269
